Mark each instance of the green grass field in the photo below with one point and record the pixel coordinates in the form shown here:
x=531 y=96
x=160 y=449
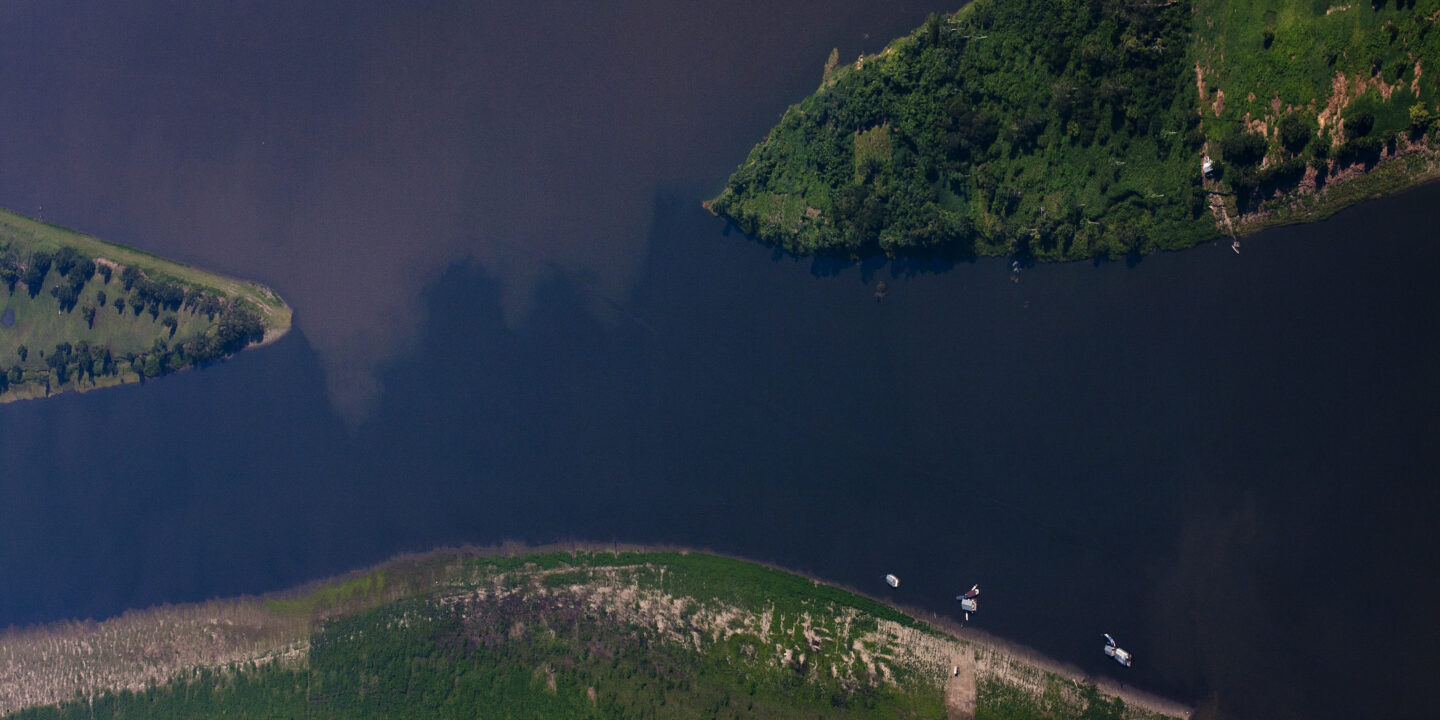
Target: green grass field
x=100 y=344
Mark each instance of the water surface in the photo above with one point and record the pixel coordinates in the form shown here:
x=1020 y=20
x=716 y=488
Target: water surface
x=1225 y=461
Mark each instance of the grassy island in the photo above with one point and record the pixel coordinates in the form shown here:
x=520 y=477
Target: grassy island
x=80 y=313
x=541 y=634
x=1071 y=129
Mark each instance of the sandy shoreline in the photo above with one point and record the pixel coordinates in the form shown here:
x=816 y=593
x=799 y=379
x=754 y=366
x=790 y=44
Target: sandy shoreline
x=246 y=630
x=1131 y=695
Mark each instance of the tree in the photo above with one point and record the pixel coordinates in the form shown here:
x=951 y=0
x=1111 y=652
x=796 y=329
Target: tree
x=129 y=276
x=9 y=273
x=1294 y=133
x=238 y=326
x=59 y=362
x=66 y=259
x=66 y=295
x=1244 y=149
x=1359 y=124
x=1420 y=117
x=103 y=363
x=83 y=360
x=169 y=295
x=105 y=273
x=172 y=323
x=23 y=352
x=81 y=273
x=119 y=305
x=34 y=275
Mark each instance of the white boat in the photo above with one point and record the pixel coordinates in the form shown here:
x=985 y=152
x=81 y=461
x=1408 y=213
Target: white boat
x=1114 y=651
x=968 y=601
x=893 y=581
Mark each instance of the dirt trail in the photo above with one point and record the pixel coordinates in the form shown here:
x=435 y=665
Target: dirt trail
x=960 y=688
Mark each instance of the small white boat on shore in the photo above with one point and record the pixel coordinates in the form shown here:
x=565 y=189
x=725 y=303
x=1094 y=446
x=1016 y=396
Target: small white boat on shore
x=892 y=581
x=1113 y=650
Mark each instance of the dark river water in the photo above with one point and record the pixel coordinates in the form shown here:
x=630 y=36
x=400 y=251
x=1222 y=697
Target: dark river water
x=514 y=321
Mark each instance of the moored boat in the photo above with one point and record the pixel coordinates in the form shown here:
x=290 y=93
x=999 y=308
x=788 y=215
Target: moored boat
x=1113 y=650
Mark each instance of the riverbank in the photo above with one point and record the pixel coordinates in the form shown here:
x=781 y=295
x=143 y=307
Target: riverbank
x=999 y=651
x=698 y=604
x=83 y=314
x=1392 y=174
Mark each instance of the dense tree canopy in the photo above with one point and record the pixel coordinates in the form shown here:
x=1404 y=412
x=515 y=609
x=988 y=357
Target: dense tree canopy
x=1065 y=129
x=1034 y=127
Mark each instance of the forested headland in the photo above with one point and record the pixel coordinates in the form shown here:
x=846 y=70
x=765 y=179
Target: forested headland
x=79 y=313
x=577 y=633
x=1070 y=129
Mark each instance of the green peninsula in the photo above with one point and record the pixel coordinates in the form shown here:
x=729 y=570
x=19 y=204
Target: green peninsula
x=1071 y=129
x=574 y=633
x=80 y=313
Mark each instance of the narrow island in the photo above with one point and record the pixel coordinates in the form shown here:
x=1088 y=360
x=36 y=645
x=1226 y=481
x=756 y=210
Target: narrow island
x=80 y=313
x=578 y=632
x=1053 y=130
